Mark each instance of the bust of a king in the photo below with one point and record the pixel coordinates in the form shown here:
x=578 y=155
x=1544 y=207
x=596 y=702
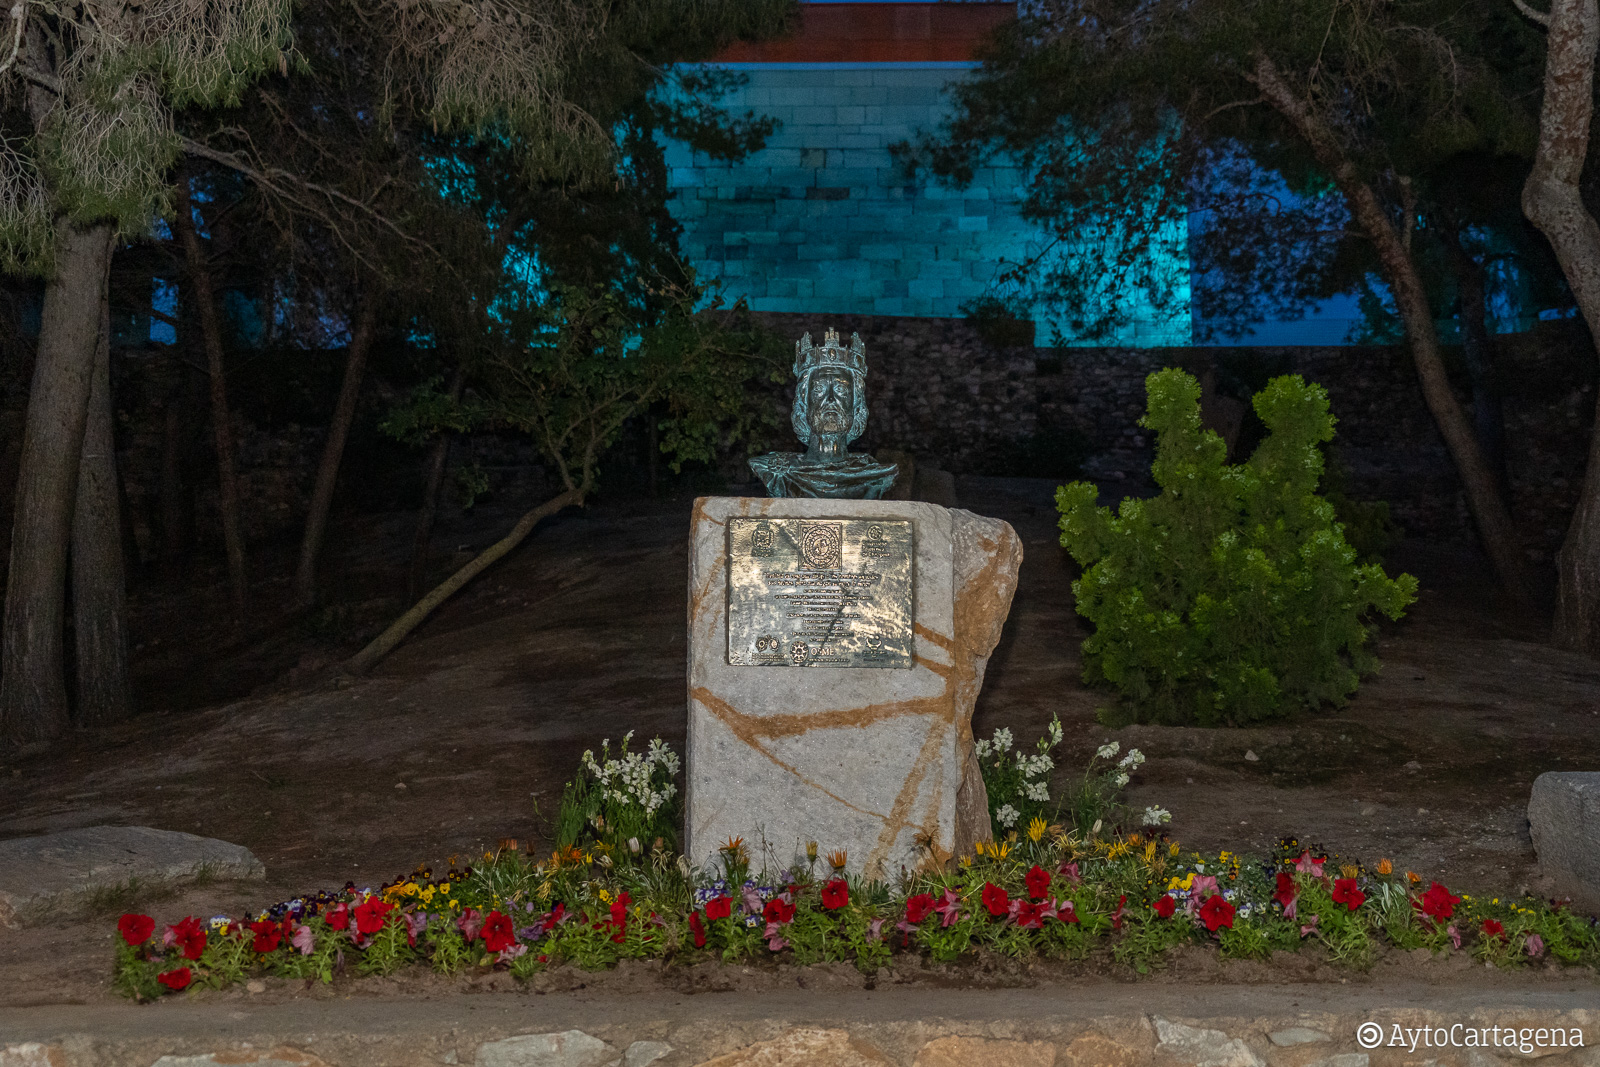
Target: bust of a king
x=830 y=411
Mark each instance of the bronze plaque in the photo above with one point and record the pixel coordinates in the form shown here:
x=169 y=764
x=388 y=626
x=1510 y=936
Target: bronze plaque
x=820 y=592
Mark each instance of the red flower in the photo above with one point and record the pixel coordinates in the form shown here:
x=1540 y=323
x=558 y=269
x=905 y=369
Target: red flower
x=1038 y=882
x=136 y=929
x=997 y=900
x=836 y=894
x=176 y=979
x=498 y=934
x=778 y=910
x=1437 y=903
x=719 y=907
x=1493 y=928
x=189 y=936
x=918 y=908
x=1165 y=906
x=619 y=917
x=1216 y=912
x=697 y=929
x=267 y=936
x=1287 y=892
x=1027 y=915
x=370 y=914
x=337 y=917
x=1116 y=916
x=1345 y=892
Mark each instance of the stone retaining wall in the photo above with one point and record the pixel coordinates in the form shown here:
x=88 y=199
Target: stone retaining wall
x=1095 y=1025
x=937 y=389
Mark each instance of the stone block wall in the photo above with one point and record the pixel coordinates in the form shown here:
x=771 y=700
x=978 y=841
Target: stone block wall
x=937 y=389
x=824 y=219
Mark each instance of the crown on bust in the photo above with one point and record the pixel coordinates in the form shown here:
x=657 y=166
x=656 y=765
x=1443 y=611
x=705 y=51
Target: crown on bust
x=830 y=353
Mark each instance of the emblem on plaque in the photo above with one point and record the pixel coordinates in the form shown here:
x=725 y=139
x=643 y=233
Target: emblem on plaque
x=798 y=652
x=874 y=546
x=821 y=544
x=761 y=540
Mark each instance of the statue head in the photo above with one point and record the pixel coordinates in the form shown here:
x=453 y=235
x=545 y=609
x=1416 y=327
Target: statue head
x=830 y=398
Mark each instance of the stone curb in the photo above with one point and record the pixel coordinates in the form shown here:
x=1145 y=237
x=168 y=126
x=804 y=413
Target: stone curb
x=1062 y=1027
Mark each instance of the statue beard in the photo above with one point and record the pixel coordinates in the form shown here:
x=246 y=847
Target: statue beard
x=831 y=417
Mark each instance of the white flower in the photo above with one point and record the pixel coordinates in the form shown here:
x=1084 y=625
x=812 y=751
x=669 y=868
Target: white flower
x=1055 y=730
x=1002 y=740
x=1107 y=750
x=1007 y=816
x=982 y=748
x=1037 y=791
x=1121 y=779
x=1133 y=759
x=1154 y=816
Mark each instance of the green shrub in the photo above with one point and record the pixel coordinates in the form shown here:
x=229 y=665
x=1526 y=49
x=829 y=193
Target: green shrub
x=1233 y=596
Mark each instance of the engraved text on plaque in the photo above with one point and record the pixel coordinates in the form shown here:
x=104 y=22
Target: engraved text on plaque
x=820 y=592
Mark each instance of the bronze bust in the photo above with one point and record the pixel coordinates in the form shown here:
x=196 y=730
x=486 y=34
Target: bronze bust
x=830 y=411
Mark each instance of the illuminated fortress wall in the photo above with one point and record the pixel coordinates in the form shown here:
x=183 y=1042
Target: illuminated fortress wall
x=823 y=220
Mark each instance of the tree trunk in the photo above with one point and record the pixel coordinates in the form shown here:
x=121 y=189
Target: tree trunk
x=1551 y=200
x=433 y=482
x=1477 y=349
x=1495 y=528
x=385 y=642
x=175 y=517
x=33 y=692
x=99 y=589
x=205 y=305
x=344 y=413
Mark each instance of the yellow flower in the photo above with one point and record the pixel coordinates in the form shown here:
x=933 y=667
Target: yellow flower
x=1172 y=849
x=1117 y=850
x=605 y=897
x=1150 y=853
x=1036 y=829
x=966 y=861
x=1349 y=870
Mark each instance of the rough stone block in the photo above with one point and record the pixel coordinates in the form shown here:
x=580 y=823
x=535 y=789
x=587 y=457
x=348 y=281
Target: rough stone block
x=569 y=1048
x=43 y=877
x=874 y=760
x=804 y=1048
x=1564 y=818
x=965 y=1051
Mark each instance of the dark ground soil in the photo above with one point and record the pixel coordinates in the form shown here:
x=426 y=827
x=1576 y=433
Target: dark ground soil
x=466 y=734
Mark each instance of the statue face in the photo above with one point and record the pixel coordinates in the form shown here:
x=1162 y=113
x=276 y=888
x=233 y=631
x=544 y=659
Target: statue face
x=830 y=401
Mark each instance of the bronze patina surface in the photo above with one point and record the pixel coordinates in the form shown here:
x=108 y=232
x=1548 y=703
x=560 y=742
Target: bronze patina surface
x=820 y=592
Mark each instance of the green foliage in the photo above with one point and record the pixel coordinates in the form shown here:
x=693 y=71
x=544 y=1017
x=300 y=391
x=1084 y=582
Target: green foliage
x=1018 y=783
x=629 y=802
x=1232 y=597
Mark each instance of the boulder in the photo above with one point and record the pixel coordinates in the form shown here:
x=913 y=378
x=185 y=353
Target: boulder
x=64 y=873
x=836 y=705
x=1564 y=819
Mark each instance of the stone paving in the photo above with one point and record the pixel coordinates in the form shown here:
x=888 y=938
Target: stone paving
x=1088 y=1025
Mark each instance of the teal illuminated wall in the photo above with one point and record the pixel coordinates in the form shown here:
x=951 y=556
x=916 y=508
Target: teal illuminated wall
x=823 y=221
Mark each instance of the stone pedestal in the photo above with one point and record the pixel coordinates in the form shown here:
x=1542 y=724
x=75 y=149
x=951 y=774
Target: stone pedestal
x=838 y=706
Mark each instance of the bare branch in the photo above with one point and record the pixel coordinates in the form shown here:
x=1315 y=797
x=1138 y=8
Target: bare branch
x=1537 y=16
x=19 y=15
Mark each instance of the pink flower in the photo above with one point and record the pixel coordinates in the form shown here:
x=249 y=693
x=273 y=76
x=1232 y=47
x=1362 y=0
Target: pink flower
x=1306 y=865
x=302 y=939
x=1202 y=884
x=1534 y=945
x=950 y=908
x=775 y=939
x=469 y=922
x=1069 y=871
x=875 y=929
x=1062 y=910
x=1455 y=935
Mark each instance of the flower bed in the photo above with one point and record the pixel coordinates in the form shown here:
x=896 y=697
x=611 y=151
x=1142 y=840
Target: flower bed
x=1048 y=889
x=1136 y=897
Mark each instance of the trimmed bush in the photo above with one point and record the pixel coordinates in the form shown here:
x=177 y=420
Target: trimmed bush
x=1233 y=597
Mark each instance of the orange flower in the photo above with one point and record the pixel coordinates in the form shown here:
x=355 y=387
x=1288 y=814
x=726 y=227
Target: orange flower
x=1385 y=867
x=838 y=859
x=1413 y=877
